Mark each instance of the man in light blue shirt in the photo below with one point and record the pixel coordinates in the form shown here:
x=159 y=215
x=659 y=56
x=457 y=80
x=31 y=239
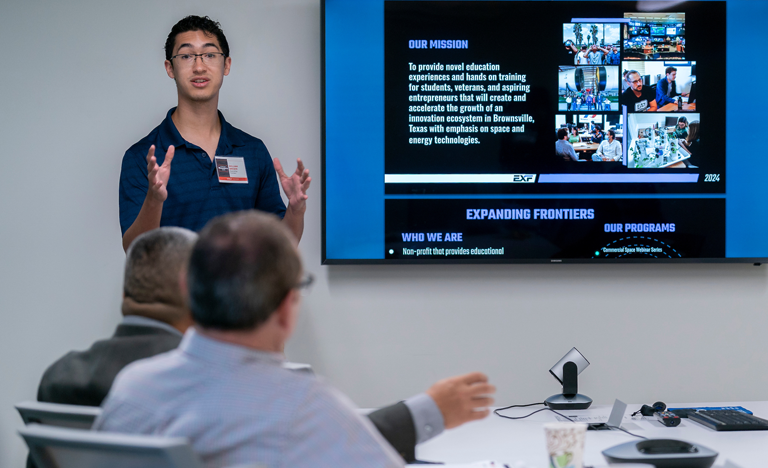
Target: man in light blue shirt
x=156 y=316
x=225 y=388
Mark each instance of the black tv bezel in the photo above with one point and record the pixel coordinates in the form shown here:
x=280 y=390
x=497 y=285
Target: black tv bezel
x=756 y=261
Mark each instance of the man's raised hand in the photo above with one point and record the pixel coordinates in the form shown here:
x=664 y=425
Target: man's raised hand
x=158 y=175
x=295 y=186
x=462 y=398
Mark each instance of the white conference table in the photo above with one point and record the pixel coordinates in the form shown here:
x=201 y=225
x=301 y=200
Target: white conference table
x=513 y=441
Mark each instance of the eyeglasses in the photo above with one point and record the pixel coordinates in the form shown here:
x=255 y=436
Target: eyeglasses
x=637 y=81
x=208 y=58
x=305 y=284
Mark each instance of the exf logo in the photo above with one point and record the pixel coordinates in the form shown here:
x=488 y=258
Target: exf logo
x=523 y=178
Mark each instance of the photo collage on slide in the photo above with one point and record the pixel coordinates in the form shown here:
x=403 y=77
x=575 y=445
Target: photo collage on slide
x=659 y=91
x=662 y=127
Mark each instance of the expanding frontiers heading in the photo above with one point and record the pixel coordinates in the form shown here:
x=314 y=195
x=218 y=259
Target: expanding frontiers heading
x=525 y=213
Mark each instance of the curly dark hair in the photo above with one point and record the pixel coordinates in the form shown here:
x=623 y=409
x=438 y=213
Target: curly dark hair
x=196 y=23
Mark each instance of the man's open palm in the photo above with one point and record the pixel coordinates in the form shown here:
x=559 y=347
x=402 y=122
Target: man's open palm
x=158 y=175
x=295 y=185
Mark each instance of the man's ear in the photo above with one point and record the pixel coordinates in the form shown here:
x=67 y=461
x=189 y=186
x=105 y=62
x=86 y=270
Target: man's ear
x=227 y=65
x=169 y=69
x=288 y=310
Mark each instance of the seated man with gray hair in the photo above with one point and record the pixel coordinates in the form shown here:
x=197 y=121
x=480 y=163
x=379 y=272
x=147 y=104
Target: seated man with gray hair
x=225 y=388
x=155 y=316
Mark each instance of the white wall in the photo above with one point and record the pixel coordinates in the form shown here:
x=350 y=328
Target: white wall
x=82 y=80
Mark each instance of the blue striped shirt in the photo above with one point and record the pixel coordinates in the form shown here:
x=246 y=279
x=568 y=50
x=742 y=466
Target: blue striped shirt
x=195 y=194
x=237 y=405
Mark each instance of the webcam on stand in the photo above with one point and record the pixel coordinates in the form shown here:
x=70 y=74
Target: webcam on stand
x=566 y=372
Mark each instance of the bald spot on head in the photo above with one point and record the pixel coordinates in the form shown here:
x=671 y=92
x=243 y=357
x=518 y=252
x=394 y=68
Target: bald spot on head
x=241 y=269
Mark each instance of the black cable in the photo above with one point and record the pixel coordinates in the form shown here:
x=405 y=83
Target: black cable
x=516 y=406
x=519 y=417
x=496 y=412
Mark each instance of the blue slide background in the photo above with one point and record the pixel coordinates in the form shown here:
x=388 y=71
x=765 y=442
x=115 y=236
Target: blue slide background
x=354 y=165
x=354 y=140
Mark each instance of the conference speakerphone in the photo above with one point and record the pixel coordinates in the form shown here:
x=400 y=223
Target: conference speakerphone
x=662 y=453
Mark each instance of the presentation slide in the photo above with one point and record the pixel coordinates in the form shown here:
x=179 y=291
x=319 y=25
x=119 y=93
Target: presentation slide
x=472 y=90
x=507 y=131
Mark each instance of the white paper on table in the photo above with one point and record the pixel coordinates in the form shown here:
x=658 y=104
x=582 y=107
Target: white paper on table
x=480 y=464
x=590 y=419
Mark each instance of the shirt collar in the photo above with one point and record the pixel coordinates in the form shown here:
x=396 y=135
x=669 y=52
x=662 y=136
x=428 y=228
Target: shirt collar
x=229 y=137
x=225 y=354
x=169 y=135
x=148 y=322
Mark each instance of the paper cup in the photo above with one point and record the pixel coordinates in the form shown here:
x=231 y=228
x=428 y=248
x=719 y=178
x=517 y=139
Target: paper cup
x=565 y=444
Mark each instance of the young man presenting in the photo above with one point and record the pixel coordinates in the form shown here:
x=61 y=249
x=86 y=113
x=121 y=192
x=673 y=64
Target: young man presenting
x=216 y=167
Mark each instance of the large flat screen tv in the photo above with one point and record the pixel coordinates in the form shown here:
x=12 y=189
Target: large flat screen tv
x=455 y=132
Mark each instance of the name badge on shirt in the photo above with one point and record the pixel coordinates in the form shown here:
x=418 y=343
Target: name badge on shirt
x=231 y=170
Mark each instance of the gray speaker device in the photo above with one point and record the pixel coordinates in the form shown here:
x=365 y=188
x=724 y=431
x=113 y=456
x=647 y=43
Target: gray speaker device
x=662 y=453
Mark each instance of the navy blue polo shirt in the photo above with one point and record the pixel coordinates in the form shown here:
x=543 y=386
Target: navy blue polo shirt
x=195 y=194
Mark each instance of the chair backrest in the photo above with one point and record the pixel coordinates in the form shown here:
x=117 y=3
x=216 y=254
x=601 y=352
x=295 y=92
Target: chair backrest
x=58 y=447
x=54 y=414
